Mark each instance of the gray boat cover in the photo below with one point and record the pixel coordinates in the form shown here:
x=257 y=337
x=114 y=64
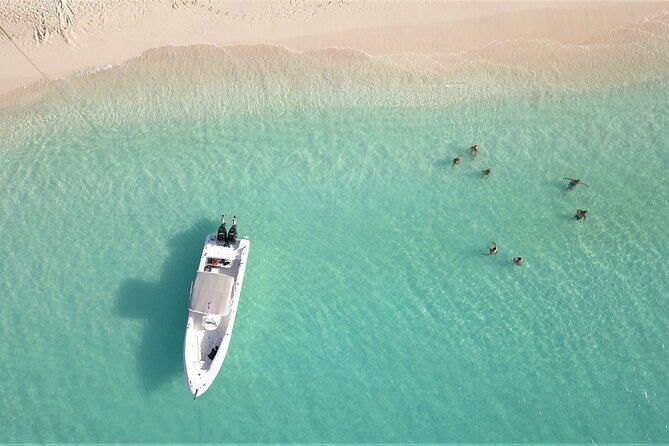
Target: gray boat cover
x=211 y=293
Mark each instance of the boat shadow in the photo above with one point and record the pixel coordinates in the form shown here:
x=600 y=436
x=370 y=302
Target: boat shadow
x=163 y=305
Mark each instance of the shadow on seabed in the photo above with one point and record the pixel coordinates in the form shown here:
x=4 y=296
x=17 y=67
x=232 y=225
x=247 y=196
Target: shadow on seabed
x=164 y=306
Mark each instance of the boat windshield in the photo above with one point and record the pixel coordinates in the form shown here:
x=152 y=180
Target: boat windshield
x=211 y=293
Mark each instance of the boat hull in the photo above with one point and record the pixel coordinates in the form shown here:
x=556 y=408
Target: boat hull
x=206 y=347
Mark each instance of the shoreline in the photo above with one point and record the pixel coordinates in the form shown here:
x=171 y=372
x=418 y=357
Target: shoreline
x=78 y=38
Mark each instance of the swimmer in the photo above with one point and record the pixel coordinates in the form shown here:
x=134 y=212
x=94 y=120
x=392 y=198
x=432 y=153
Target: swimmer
x=573 y=182
x=518 y=261
x=581 y=215
x=493 y=250
x=486 y=173
x=474 y=150
x=456 y=160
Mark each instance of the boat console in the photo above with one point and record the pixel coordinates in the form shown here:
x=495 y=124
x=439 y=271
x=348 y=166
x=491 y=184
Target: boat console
x=211 y=321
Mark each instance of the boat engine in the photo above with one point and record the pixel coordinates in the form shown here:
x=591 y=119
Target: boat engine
x=232 y=233
x=222 y=236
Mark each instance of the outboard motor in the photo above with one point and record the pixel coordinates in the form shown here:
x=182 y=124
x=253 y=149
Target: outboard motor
x=232 y=234
x=222 y=235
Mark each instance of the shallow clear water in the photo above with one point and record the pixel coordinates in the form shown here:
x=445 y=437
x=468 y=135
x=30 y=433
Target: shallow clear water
x=368 y=312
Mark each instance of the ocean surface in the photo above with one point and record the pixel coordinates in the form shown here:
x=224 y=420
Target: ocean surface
x=368 y=313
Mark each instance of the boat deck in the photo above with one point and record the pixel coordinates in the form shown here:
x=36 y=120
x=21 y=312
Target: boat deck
x=230 y=261
x=229 y=270
x=204 y=341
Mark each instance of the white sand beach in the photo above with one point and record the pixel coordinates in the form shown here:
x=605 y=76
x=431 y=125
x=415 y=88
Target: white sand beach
x=63 y=37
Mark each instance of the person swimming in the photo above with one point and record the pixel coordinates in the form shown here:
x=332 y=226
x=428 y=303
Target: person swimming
x=474 y=150
x=486 y=173
x=581 y=215
x=456 y=160
x=518 y=261
x=573 y=182
x=493 y=249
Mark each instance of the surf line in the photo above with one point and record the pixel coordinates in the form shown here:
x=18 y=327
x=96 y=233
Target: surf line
x=60 y=89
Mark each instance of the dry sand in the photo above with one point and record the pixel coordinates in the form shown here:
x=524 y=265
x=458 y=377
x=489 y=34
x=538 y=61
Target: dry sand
x=61 y=37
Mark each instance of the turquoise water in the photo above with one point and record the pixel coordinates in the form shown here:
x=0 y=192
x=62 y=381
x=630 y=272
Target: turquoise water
x=368 y=313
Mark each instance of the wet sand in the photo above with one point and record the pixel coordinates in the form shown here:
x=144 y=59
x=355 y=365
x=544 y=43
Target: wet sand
x=64 y=37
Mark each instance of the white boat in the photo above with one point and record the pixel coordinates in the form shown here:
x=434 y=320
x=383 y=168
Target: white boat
x=214 y=296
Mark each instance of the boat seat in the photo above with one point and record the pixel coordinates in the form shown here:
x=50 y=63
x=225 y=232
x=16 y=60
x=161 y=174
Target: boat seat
x=211 y=321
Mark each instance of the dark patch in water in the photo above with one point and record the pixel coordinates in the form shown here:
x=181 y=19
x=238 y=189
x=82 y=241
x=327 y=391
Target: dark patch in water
x=164 y=306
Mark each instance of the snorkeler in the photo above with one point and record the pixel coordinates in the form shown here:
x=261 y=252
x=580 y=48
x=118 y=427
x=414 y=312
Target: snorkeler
x=581 y=214
x=493 y=250
x=456 y=160
x=573 y=182
x=474 y=150
x=486 y=174
x=518 y=261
